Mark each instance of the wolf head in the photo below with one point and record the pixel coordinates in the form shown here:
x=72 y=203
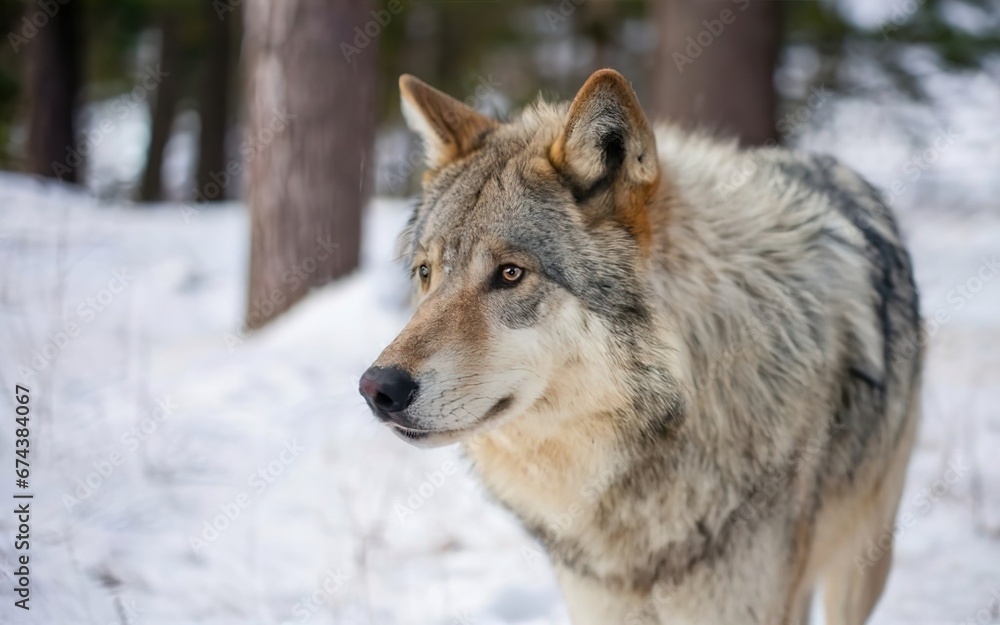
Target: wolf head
x=525 y=255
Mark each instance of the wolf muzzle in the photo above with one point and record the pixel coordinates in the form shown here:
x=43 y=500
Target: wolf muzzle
x=389 y=391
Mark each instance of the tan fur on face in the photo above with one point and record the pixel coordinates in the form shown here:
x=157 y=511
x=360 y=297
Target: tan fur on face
x=547 y=457
x=440 y=323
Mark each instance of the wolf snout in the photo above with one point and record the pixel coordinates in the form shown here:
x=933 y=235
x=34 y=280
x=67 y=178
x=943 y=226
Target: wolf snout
x=388 y=390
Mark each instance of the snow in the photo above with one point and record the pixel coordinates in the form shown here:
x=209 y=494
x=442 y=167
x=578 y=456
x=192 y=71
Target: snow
x=179 y=420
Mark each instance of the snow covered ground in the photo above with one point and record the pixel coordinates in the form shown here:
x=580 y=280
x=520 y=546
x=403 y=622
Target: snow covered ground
x=186 y=473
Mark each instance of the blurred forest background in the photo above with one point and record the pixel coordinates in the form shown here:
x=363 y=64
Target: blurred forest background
x=293 y=105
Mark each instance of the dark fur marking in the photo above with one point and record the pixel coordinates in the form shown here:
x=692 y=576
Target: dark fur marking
x=868 y=378
x=613 y=152
x=676 y=561
x=612 y=147
x=861 y=415
x=498 y=407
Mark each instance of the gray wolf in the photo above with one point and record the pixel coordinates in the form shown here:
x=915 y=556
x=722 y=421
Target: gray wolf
x=691 y=371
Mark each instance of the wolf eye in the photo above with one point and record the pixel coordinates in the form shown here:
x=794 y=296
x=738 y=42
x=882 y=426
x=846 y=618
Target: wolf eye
x=510 y=275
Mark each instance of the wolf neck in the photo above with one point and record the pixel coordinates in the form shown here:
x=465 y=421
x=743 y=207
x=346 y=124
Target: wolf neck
x=552 y=466
x=544 y=475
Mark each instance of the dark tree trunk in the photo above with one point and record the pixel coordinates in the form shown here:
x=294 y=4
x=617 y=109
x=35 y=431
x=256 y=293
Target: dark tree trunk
x=310 y=128
x=213 y=109
x=163 y=105
x=53 y=85
x=715 y=65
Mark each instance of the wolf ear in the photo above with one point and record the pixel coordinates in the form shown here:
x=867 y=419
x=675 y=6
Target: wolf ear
x=448 y=128
x=606 y=139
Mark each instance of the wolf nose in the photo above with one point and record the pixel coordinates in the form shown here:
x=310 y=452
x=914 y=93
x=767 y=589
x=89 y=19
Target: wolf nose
x=389 y=389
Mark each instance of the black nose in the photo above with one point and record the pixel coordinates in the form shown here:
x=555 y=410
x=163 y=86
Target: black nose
x=389 y=389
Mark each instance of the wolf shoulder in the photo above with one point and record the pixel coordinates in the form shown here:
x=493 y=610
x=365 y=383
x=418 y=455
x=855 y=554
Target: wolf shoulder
x=808 y=225
x=719 y=175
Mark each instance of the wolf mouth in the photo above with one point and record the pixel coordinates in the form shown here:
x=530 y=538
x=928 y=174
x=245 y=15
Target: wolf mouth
x=417 y=434
x=445 y=437
x=426 y=438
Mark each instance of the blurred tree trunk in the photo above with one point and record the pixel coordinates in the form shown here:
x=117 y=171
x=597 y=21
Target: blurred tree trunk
x=54 y=60
x=310 y=133
x=163 y=107
x=714 y=65
x=213 y=107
